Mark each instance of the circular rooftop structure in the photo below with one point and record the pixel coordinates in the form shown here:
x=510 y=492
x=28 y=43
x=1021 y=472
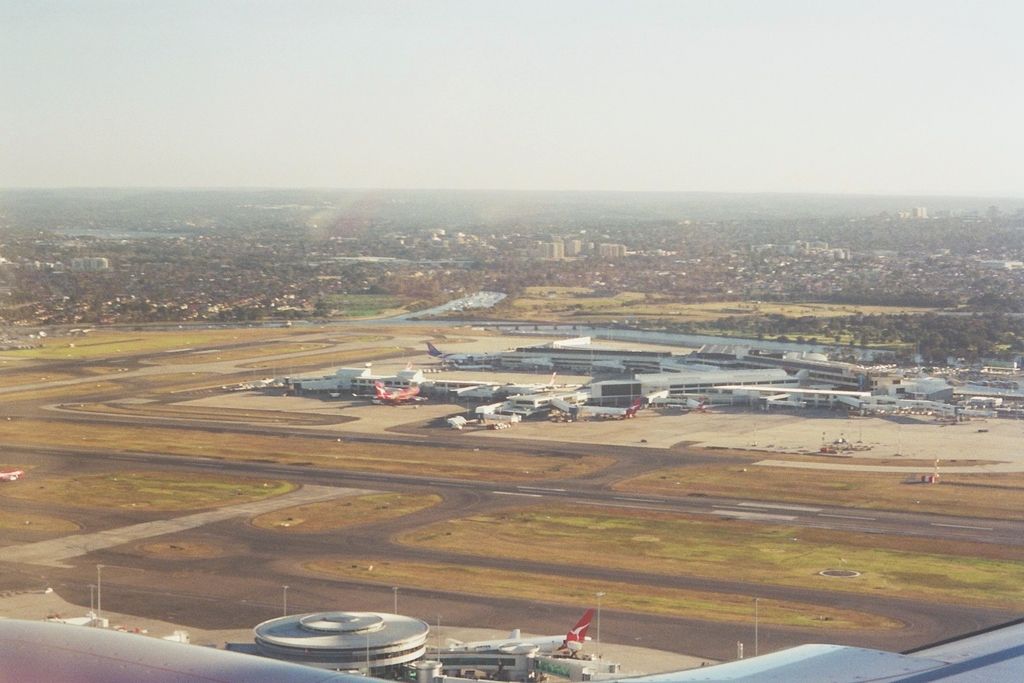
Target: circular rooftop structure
x=343 y=640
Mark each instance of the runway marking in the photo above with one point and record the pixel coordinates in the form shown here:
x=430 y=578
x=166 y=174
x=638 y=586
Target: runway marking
x=540 y=488
x=742 y=514
x=964 y=526
x=775 y=506
x=51 y=552
x=632 y=500
x=517 y=493
x=606 y=504
x=866 y=519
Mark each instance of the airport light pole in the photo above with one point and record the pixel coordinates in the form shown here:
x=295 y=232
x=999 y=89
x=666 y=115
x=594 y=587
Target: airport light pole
x=284 y=601
x=394 y=589
x=92 y=598
x=99 y=591
x=599 y=596
x=755 y=627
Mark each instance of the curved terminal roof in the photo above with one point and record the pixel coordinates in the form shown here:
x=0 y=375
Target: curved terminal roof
x=343 y=638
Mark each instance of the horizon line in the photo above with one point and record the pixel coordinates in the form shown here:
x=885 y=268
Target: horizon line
x=328 y=188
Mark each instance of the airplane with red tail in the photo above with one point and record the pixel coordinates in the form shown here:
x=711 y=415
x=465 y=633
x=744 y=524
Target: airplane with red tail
x=394 y=397
x=571 y=642
x=12 y=475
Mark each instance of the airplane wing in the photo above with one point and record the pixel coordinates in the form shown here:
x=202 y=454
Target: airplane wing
x=61 y=653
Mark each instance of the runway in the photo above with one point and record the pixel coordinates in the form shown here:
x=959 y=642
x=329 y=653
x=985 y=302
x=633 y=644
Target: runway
x=945 y=527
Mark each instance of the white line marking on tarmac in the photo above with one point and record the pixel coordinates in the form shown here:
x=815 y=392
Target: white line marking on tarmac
x=606 y=504
x=963 y=526
x=741 y=514
x=516 y=493
x=632 y=500
x=866 y=519
x=774 y=506
x=540 y=488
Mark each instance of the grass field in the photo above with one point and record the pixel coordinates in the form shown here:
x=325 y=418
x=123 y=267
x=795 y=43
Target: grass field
x=27 y=523
x=149 y=491
x=181 y=550
x=62 y=393
x=115 y=343
x=12 y=378
x=999 y=496
x=365 y=305
x=323 y=360
x=621 y=596
x=464 y=463
x=663 y=543
x=223 y=415
x=344 y=512
x=241 y=353
x=579 y=302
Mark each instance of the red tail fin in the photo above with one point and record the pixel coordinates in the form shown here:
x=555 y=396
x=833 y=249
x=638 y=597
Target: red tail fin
x=578 y=633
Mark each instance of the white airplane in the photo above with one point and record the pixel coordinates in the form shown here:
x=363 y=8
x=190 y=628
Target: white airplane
x=462 y=361
x=571 y=642
x=12 y=475
x=698 y=406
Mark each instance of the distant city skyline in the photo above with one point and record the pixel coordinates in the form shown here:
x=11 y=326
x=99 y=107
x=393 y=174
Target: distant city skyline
x=791 y=96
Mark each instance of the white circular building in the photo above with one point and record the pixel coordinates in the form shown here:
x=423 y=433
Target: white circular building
x=343 y=640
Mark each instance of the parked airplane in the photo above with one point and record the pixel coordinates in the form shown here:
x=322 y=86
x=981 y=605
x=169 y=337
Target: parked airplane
x=463 y=361
x=698 y=406
x=396 y=396
x=12 y=475
x=571 y=642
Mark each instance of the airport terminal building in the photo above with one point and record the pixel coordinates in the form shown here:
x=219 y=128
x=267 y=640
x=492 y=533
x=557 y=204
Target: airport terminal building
x=378 y=644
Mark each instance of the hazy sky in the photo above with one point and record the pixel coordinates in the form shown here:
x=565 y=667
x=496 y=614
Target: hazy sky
x=720 y=95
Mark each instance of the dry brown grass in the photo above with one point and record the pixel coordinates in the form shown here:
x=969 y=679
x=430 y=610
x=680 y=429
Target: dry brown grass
x=323 y=360
x=222 y=415
x=547 y=303
x=113 y=343
x=618 y=595
x=238 y=353
x=459 y=463
x=148 y=491
x=35 y=524
x=181 y=550
x=671 y=544
x=999 y=496
x=345 y=512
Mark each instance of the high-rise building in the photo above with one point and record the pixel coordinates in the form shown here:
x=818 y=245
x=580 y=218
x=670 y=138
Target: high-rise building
x=611 y=251
x=552 y=250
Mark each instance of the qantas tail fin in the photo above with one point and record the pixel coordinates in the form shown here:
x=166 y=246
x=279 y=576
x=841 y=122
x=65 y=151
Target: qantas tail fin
x=378 y=389
x=632 y=410
x=578 y=633
x=433 y=351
